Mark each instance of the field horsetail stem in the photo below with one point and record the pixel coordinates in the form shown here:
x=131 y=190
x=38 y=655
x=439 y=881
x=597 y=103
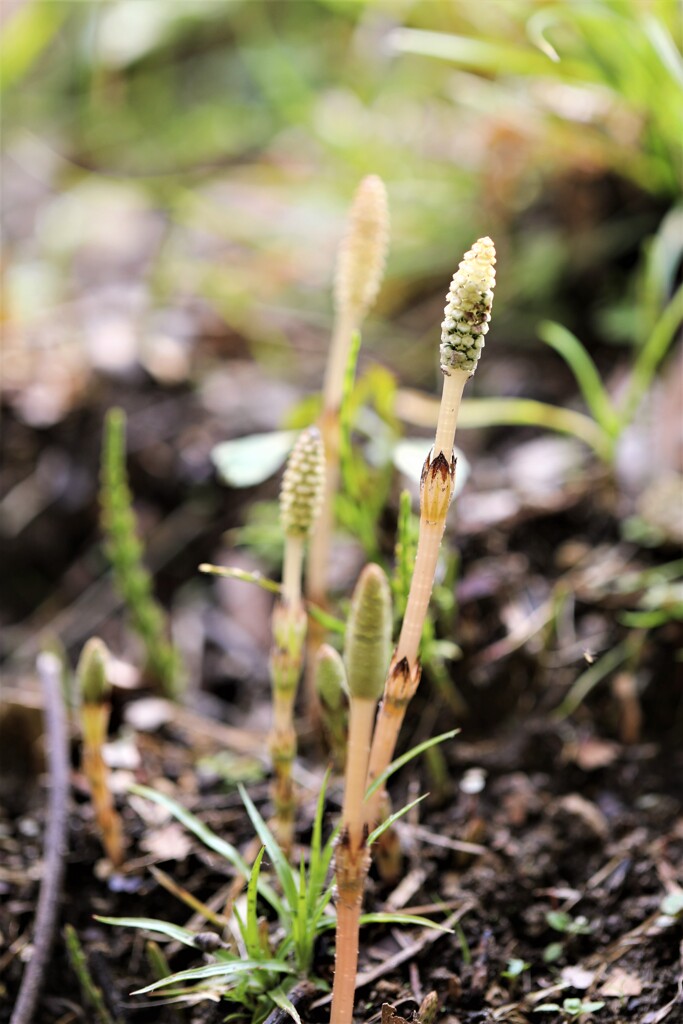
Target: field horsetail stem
x=300 y=499
x=466 y=322
x=95 y=710
x=366 y=655
x=359 y=272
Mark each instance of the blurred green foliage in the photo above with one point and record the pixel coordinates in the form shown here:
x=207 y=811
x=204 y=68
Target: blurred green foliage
x=242 y=128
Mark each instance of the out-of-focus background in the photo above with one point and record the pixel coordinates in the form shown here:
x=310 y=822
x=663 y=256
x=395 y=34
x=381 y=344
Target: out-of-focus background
x=175 y=178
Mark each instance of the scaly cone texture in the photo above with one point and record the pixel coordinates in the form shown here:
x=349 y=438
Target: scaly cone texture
x=468 y=309
x=95 y=689
x=363 y=252
x=301 y=493
x=368 y=635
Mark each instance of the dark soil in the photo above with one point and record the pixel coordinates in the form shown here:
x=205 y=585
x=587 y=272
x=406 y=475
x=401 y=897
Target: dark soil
x=578 y=815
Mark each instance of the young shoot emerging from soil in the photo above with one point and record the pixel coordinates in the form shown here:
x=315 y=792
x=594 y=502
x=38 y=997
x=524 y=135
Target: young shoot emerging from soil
x=300 y=500
x=467 y=315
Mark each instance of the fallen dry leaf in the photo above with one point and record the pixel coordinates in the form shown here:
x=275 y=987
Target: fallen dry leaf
x=170 y=842
x=621 y=983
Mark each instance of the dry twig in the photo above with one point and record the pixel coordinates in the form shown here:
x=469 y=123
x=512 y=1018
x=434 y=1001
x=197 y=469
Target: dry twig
x=56 y=831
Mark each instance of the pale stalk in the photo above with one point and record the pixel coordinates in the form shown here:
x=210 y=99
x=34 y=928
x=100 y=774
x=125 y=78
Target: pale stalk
x=283 y=735
x=358 y=275
x=361 y=721
x=321 y=537
x=333 y=386
x=351 y=860
x=291 y=570
x=401 y=685
x=451 y=397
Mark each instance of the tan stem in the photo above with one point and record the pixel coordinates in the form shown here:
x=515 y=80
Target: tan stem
x=319 y=551
x=291 y=569
x=451 y=397
x=400 y=686
x=361 y=721
x=352 y=860
x=95 y=718
x=420 y=593
x=346 y=963
x=333 y=386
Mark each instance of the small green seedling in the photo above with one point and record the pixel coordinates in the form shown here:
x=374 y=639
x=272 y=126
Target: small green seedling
x=572 y=1008
x=570 y=926
x=515 y=969
x=671 y=908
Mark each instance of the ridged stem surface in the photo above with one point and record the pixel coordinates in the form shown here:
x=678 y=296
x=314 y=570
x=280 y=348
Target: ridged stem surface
x=351 y=860
x=451 y=396
x=291 y=570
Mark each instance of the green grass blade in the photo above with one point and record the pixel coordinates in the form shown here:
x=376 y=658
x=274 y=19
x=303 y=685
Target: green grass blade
x=651 y=355
x=408 y=756
x=209 y=838
x=277 y=858
x=585 y=372
x=610 y=661
x=280 y=999
x=385 y=917
x=483 y=55
x=251 y=936
x=323 y=903
x=376 y=833
x=527 y=412
x=409 y=919
x=303 y=938
x=232 y=969
x=315 y=882
x=150 y=924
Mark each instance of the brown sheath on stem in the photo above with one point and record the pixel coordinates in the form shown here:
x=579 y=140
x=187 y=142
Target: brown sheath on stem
x=95 y=719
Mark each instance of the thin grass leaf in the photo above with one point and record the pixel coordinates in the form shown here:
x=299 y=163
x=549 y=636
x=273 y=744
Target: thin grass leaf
x=150 y=924
x=303 y=936
x=230 y=573
x=316 y=855
x=651 y=355
x=409 y=919
x=585 y=372
x=385 y=917
x=232 y=969
x=330 y=622
x=323 y=903
x=408 y=756
x=280 y=999
x=252 y=938
x=381 y=829
x=483 y=55
x=589 y=679
x=277 y=858
x=528 y=412
x=210 y=839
